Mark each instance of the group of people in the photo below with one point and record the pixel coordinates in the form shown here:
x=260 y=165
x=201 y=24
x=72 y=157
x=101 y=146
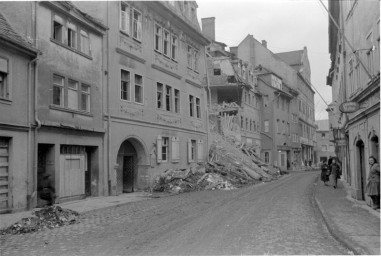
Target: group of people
x=332 y=170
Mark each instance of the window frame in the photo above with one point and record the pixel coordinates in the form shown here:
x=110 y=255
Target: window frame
x=6 y=79
x=127 y=23
x=158 y=38
x=177 y=101
x=141 y=89
x=161 y=93
x=167 y=43
x=174 y=47
x=137 y=24
x=198 y=107
x=129 y=85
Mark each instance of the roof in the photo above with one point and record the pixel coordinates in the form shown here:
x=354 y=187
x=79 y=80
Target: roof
x=291 y=58
x=8 y=34
x=323 y=125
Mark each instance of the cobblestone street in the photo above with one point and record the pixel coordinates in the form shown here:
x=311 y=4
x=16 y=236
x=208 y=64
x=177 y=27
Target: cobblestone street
x=271 y=218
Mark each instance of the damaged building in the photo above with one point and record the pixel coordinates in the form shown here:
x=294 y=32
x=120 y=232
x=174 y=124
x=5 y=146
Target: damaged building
x=235 y=100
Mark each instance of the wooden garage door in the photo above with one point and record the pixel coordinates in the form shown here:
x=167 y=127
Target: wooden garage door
x=72 y=175
x=4 y=174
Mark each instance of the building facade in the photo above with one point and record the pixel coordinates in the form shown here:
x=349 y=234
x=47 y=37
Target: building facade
x=232 y=80
x=67 y=98
x=155 y=101
x=354 y=76
x=305 y=103
x=277 y=82
x=17 y=58
x=324 y=147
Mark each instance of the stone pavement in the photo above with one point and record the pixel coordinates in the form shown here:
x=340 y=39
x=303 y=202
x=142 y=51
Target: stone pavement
x=351 y=222
x=81 y=206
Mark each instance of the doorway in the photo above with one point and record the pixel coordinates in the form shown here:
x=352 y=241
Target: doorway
x=128 y=173
x=361 y=167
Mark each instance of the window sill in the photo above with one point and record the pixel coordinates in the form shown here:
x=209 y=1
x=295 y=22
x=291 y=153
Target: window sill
x=71 y=49
x=5 y=101
x=70 y=110
x=168 y=112
x=132 y=102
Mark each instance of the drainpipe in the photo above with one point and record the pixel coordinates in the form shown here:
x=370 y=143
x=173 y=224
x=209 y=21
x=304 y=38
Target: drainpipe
x=30 y=180
x=31 y=196
x=208 y=99
x=109 y=192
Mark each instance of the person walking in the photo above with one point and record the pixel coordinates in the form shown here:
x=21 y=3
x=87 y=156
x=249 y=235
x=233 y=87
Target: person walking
x=324 y=176
x=335 y=172
x=373 y=186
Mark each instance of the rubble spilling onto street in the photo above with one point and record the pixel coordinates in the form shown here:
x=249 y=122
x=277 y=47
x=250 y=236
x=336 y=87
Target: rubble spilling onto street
x=230 y=166
x=47 y=217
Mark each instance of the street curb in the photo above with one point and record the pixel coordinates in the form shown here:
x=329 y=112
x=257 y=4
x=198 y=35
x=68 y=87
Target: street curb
x=340 y=237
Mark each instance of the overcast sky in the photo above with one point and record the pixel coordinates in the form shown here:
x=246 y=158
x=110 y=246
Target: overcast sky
x=286 y=25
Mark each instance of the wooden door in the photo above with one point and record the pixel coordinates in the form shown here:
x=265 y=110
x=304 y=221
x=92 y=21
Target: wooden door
x=72 y=175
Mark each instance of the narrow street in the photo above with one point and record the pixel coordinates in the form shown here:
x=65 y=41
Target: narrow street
x=271 y=218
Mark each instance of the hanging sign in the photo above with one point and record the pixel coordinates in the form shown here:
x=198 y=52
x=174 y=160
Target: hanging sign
x=349 y=107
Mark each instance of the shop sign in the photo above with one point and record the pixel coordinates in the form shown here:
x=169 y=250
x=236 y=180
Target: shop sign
x=349 y=107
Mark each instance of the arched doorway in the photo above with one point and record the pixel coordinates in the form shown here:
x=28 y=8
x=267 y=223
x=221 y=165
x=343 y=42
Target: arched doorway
x=131 y=161
x=360 y=157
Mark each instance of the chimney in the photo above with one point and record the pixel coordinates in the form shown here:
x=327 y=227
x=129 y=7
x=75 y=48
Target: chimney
x=234 y=50
x=264 y=43
x=208 y=27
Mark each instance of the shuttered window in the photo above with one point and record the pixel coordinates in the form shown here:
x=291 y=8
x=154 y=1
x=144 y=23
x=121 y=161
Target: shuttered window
x=175 y=149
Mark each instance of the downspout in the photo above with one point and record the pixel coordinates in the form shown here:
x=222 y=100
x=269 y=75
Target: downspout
x=109 y=169
x=209 y=99
x=31 y=197
x=29 y=180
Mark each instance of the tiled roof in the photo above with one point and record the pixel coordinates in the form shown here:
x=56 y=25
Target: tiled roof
x=291 y=58
x=7 y=33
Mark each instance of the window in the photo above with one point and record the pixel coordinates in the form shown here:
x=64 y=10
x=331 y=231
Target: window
x=174 y=47
x=137 y=29
x=125 y=85
x=85 y=98
x=189 y=57
x=277 y=102
x=85 y=43
x=71 y=35
x=175 y=149
x=277 y=126
x=166 y=43
x=198 y=108
x=168 y=98
x=231 y=79
x=159 y=95
x=165 y=149
x=158 y=41
x=267 y=128
x=247 y=124
x=241 y=122
x=192 y=58
x=125 y=18
x=4 y=90
x=195 y=60
x=358 y=75
x=195 y=150
x=58 y=90
x=266 y=101
x=191 y=105
x=267 y=157
x=72 y=94
x=177 y=101
x=323 y=135
x=58 y=29
x=217 y=71
x=138 y=89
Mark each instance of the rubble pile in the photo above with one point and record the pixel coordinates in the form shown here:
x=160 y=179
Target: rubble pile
x=48 y=217
x=229 y=167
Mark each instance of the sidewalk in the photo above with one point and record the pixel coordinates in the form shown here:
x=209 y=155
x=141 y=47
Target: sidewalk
x=81 y=206
x=350 y=221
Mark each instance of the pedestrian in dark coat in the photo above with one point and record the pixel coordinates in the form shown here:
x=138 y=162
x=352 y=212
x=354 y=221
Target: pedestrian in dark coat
x=46 y=189
x=335 y=172
x=373 y=186
x=324 y=172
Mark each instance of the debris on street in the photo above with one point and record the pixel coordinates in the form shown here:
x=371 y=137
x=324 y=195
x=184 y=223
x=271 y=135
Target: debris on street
x=230 y=166
x=47 y=217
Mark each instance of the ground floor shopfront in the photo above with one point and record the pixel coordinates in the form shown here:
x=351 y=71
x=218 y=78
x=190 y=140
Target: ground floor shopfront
x=74 y=160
